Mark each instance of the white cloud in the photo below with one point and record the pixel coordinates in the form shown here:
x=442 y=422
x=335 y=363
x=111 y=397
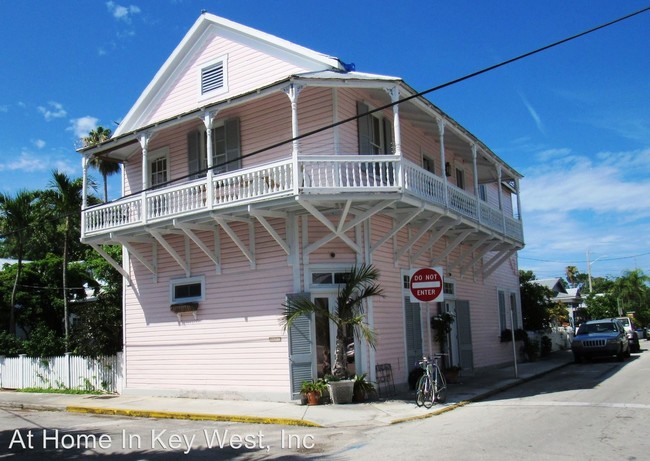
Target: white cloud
x=533 y=113
x=28 y=162
x=39 y=143
x=82 y=126
x=565 y=182
x=122 y=13
x=53 y=110
x=572 y=203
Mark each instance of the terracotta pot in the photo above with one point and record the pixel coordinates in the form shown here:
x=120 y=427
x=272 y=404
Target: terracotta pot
x=313 y=398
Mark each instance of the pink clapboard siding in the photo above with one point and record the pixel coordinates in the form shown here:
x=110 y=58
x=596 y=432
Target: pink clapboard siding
x=228 y=349
x=247 y=70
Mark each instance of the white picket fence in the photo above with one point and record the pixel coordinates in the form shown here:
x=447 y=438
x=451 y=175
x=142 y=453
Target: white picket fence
x=64 y=372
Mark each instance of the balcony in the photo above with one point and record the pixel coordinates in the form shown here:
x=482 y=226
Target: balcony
x=280 y=184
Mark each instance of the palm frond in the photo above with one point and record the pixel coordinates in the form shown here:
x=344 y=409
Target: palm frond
x=295 y=308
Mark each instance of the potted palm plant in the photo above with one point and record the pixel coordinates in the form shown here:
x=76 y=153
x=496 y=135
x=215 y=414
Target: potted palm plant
x=349 y=312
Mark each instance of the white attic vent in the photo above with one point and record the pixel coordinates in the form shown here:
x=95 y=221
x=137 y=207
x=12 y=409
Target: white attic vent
x=212 y=77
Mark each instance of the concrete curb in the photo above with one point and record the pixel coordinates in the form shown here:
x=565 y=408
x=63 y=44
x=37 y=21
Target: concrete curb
x=191 y=416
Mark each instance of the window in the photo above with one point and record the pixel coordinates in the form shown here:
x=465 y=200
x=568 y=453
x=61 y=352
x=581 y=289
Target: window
x=428 y=164
x=214 y=77
x=502 y=311
x=460 y=178
x=329 y=278
x=482 y=192
x=187 y=290
x=158 y=167
x=226 y=150
x=375 y=132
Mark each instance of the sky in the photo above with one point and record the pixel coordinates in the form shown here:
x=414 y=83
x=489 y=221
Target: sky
x=574 y=120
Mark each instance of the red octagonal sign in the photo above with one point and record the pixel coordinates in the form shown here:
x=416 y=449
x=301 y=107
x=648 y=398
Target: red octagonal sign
x=426 y=285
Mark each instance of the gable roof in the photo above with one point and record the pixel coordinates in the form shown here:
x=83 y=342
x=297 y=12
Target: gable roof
x=204 y=25
x=554 y=284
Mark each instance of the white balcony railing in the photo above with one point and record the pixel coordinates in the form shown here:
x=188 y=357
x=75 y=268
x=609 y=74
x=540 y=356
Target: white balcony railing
x=314 y=175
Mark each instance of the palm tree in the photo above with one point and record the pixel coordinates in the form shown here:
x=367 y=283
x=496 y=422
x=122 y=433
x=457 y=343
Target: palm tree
x=66 y=199
x=632 y=288
x=16 y=219
x=105 y=167
x=349 y=311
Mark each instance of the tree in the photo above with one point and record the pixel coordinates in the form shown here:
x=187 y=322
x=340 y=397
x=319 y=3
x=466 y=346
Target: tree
x=16 y=220
x=572 y=276
x=106 y=168
x=66 y=198
x=536 y=305
x=349 y=312
x=631 y=289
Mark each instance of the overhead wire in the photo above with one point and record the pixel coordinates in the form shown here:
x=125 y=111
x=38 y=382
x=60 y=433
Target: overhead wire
x=380 y=108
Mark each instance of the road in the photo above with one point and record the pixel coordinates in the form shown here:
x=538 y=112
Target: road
x=588 y=411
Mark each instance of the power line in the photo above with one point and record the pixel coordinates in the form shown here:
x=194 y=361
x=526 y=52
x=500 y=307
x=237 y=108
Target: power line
x=387 y=106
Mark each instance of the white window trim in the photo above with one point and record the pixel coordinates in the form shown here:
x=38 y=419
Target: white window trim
x=173 y=283
x=156 y=155
x=224 y=89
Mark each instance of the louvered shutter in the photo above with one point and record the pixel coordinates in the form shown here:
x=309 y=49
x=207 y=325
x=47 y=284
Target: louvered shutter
x=364 y=127
x=233 y=151
x=194 y=153
x=413 y=327
x=301 y=345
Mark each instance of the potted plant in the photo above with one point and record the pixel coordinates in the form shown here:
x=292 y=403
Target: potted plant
x=441 y=325
x=313 y=391
x=348 y=313
x=362 y=388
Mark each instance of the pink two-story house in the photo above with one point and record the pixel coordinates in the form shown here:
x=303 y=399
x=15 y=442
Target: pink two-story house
x=255 y=169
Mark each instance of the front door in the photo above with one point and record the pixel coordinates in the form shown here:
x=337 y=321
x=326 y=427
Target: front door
x=326 y=340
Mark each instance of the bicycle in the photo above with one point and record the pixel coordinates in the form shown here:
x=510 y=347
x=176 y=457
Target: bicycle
x=432 y=386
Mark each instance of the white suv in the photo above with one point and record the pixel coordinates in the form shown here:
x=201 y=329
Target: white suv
x=632 y=336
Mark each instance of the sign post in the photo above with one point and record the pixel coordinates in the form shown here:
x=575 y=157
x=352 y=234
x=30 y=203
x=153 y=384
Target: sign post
x=426 y=285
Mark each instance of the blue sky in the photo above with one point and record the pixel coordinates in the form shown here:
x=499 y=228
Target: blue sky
x=574 y=120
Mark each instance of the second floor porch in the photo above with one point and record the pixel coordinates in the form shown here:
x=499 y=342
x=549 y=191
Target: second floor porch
x=314 y=185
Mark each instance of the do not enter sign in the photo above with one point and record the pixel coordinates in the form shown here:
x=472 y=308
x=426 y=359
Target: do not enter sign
x=426 y=285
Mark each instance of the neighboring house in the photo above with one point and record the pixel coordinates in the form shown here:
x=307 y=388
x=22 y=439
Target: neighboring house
x=575 y=305
x=554 y=284
x=222 y=219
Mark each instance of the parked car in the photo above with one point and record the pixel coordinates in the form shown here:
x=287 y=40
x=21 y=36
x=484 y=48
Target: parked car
x=632 y=335
x=603 y=337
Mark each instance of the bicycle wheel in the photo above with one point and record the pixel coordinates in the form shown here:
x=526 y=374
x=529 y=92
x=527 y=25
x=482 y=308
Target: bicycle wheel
x=440 y=385
x=420 y=389
x=424 y=396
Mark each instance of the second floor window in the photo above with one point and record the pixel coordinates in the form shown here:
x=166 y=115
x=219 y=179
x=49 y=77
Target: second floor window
x=460 y=178
x=226 y=152
x=375 y=133
x=158 y=173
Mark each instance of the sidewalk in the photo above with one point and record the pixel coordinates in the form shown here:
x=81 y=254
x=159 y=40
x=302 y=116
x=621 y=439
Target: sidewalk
x=378 y=413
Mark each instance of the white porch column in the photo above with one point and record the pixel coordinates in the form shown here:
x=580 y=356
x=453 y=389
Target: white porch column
x=144 y=143
x=394 y=97
x=293 y=91
x=476 y=190
x=503 y=216
x=84 y=192
x=518 y=199
x=441 y=132
x=208 y=121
